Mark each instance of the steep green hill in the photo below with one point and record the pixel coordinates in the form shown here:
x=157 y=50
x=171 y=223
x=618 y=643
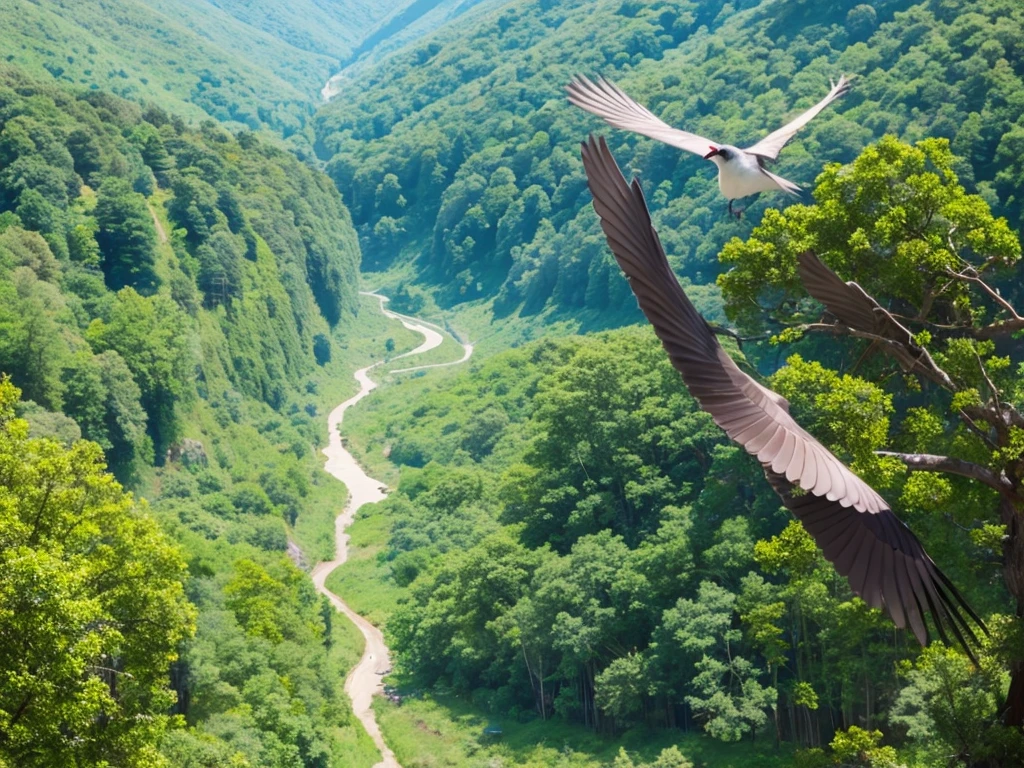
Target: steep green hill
x=331 y=27
x=179 y=297
x=155 y=53
x=459 y=156
x=248 y=64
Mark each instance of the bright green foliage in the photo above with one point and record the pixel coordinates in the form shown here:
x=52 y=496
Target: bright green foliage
x=261 y=684
x=260 y=232
x=669 y=758
x=622 y=621
x=473 y=126
x=30 y=345
x=126 y=237
x=948 y=704
x=620 y=440
x=729 y=698
x=856 y=746
x=620 y=689
x=146 y=333
x=92 y=609
x=897 y=218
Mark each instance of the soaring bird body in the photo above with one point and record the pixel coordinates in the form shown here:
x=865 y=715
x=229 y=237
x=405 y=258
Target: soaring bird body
x=853 y=525
x=741 y=172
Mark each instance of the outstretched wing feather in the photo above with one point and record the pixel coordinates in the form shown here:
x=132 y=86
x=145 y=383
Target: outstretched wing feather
x=605 y=99
x=770 y=146
x=851 y=523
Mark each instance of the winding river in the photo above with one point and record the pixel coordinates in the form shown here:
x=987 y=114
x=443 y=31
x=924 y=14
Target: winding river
x=365 y=679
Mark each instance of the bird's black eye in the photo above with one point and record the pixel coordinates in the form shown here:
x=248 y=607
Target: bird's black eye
x=724 y=153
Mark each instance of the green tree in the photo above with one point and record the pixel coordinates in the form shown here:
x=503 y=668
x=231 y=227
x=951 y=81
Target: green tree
x=92 y=608
x=147 y=333
x=32 y=350
x=899 y=221
x=126 y=237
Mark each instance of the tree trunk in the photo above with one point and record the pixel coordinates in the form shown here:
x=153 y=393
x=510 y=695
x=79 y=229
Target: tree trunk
x=540 y=681
x=533 y=687
x=1013 y=572
x=775 y=708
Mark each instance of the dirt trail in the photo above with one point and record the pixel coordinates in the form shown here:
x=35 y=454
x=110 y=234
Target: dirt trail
x=161 y=232
x=365 y=679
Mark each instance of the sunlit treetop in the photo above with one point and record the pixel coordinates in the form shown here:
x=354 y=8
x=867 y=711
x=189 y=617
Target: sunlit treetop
x=896 y=220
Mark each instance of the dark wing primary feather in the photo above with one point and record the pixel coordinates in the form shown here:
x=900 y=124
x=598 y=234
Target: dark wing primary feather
x=850 y=303
x=854 y=307
x=749 y=413
x=884 y=563
x=852 y=524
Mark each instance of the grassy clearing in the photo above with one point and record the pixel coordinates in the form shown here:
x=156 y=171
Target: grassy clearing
x=365 y=426
x=346 y=649
x=448 y=351
x=363 y=582
x=314 y=527
x=434 y=732
x=359 y=343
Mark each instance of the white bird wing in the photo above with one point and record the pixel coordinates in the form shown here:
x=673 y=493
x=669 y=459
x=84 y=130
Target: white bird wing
x=784 y=184
x=605 y=99
x=770 y=146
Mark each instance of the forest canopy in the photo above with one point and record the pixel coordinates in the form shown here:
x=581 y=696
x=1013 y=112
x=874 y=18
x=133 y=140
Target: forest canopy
x=458 y=156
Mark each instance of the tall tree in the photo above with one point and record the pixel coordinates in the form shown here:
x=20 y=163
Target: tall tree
x=126 y=237
x=92 y=608
x=147 y=333
x=899 y=222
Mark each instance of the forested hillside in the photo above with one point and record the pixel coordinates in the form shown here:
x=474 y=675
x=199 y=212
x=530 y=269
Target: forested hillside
x=172 y=294
x=573 y=540
x=459 y=154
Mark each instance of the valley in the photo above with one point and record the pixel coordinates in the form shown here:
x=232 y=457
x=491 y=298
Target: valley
x=319 y=373
x=365 y=679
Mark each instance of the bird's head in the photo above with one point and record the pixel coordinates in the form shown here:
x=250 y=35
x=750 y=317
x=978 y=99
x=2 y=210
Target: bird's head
x=720 y=154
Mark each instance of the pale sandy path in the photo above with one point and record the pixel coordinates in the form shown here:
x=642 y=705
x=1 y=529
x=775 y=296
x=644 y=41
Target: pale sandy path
x=365 y=679
x=161 y=232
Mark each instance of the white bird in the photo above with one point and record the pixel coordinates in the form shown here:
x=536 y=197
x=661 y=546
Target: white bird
x=741 y=172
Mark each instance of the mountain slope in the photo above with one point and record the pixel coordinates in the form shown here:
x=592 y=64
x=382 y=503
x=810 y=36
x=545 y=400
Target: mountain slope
x=459 y=154
x=330 y=27
x=177 y=296
x=136 y=52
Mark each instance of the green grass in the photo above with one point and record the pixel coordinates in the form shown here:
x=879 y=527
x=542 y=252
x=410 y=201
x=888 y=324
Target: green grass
x=314 y=528
x=364 y=426
x=448 y=351
x=355 y=743
x=363 y=582
x=446 y=732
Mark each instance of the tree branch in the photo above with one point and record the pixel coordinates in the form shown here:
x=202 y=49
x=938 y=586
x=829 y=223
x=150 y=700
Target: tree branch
x=998 y=328
x=912 y=361
x=720 y=330
x=928 y=462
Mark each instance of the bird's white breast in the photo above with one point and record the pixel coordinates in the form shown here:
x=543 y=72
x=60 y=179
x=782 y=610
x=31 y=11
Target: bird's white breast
x=741 y=175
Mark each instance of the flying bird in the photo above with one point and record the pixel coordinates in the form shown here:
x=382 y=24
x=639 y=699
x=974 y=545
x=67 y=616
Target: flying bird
x=741 y=172
x=851 y=523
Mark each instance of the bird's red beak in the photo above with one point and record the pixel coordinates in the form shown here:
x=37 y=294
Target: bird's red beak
x=714 y=151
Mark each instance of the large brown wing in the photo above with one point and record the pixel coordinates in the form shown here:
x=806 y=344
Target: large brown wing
x=772 y=144
x=852 y=524
x=850 y=303
x=605 y=99
x=750 y=414
x=856 y=308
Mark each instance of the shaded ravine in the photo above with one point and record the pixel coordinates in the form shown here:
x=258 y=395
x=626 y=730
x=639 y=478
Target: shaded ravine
x=365 y=679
